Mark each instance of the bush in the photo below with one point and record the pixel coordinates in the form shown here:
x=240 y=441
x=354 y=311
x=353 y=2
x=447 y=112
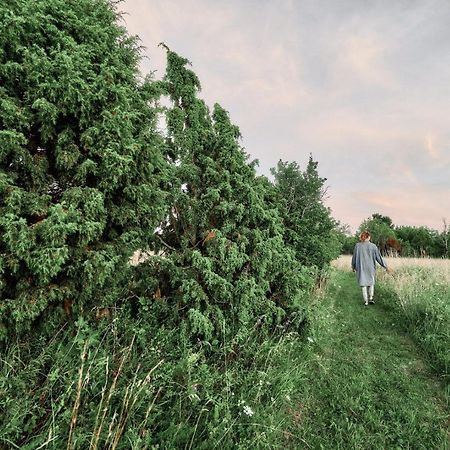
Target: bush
x=225 y=258
x=80 y=165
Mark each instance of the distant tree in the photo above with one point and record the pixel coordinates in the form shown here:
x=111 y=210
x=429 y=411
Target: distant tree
x=380 y=228
x=346 y=239
x=309 y=226
x=418 y=241
x=384 y=219
x=80 y=165
x=445 y=238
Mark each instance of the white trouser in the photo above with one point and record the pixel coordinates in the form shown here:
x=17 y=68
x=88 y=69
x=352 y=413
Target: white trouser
x=367 y=292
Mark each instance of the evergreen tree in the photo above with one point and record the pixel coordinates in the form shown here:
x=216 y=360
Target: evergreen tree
x=79 y=159
x=309 y=227
x=226 y=263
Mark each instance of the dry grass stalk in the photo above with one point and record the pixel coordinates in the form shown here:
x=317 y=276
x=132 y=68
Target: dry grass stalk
x=76 y=406
x=96 y=435
x=127 y=410
x=98 y=431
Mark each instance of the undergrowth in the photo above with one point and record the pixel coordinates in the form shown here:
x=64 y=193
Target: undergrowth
x=116 y=384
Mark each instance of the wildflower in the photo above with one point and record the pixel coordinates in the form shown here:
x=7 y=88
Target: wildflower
x=310 y=339
x=193 y=358
x=288 y=398
x=194 y=397
x=248 y=411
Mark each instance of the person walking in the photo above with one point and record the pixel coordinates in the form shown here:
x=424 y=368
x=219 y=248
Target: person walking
x=365 y=256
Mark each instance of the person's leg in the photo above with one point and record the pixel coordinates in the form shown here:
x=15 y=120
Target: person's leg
x=365 y=294
x=371 y=290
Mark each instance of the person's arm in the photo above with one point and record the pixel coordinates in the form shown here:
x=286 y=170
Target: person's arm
x=354 y=259
x=379 y=259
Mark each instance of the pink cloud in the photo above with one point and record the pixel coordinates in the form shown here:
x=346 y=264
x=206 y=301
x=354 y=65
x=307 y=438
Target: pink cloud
x=419 y=206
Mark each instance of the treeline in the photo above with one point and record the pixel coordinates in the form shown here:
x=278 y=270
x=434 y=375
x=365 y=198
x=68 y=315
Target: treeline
x=87 y=178
x=401 y=240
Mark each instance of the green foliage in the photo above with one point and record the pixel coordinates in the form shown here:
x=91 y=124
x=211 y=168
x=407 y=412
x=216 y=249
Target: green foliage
x=79 y=160
x=412 y=241
x=348 y=244
x=309 y=227
x=147 y=390
x=224 y=254
x=380 y=229
x=188 y=346
x=383 y=219
x=420 y=241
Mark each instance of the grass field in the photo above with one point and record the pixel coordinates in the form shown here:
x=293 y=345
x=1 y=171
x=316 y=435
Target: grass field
x=418 y=291
x=370 y=386
x=441 y=266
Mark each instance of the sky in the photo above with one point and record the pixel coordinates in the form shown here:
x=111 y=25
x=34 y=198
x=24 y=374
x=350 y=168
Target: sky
x=363 y=86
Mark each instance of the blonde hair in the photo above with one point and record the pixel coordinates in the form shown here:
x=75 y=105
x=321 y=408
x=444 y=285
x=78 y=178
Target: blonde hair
x=364 y=236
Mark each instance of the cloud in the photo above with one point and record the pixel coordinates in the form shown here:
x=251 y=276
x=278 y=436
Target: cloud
x=430 y=146
x=425 y=205
x=363 y=57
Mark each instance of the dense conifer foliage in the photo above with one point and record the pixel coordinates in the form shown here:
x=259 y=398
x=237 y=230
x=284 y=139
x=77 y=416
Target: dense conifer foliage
x=225 y=256
x=79 y=160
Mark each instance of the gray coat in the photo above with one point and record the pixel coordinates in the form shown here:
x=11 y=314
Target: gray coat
x=365 y=257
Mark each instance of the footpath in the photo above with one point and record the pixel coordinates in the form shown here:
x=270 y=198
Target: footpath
x=369 y=386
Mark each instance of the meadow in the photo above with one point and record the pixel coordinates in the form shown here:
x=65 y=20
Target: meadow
x=418 y=292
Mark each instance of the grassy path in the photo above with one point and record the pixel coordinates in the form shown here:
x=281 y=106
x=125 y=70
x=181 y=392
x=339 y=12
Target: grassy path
x=370 y=388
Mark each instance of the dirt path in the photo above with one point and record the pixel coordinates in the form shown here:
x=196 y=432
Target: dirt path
x=370 y=387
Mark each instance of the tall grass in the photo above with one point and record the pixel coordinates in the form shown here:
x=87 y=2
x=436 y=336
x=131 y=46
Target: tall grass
x=117 y=386
x=418 y=291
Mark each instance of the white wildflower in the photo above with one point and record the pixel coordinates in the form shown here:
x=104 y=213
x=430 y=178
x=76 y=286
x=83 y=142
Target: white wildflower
x=310 y=339
x=288 y=398
x=193 y=358
x=194 y=397
x=248 y=411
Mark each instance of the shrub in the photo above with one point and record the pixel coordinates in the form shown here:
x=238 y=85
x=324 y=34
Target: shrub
x=225 y=259
x=80 y=165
